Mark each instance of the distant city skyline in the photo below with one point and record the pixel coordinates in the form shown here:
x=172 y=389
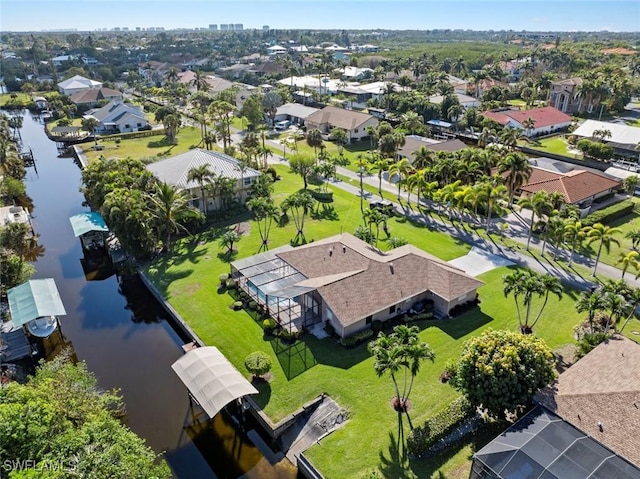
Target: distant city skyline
x=517 y=15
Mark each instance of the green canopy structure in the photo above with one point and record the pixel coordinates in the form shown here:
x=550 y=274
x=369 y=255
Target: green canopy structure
x=86 y=222
x=34 y=299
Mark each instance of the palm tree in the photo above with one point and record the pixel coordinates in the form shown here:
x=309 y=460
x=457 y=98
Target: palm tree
x=314 y=140
x=633 y=301
x=447 y=195
x=454 y=112
x=401 y=169
x=363 y=168
x=375 y=217
x=590 y=302
x=523 y=285
x=574 y=235
x=486 y=136
x=299 y=204
x=492 y=196
x=412 y=122
x=518 y=171
x=459 y=66
x=605 y=235
x=380 y=165
x=540 y=205
x=265 y=213
x=634 y=236
x=509 y=137
x=90 y=124
x=171 y=210
x=172 y=74
x=423 y=157
x=528 y=125
x=200 y=81
x=628 y=259
x=228 y=239
x=202 y=175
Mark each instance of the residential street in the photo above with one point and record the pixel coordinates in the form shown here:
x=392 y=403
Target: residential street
x=517 y=230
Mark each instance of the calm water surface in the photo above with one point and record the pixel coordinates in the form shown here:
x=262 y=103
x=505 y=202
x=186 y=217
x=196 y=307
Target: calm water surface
x=125 y=340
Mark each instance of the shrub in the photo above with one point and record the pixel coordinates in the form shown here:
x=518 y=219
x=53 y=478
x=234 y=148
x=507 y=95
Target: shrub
x=253 y=305
x=610 y=213
x=258 y=363
x=420 y=316
x=438 y=426
x=357 y=338
x=594 y=149
x=588 y=342
x=289 y=335
x=223 y=278
x=269 y=324
x=237 y=306
x=231 y=284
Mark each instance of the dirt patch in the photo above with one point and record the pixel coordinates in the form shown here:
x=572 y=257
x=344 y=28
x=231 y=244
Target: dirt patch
x=243 y=228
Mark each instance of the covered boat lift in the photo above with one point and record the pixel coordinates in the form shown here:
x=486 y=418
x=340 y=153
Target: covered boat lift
x=37 y=305
x=212 y=381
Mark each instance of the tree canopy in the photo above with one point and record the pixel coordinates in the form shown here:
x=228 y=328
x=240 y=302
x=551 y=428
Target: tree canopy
x=63 y=422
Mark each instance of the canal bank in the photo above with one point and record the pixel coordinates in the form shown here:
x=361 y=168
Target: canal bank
x=126 y=338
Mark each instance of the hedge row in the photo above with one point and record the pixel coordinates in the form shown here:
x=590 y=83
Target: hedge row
x=610 y=213
x=357 y=338
x=438 y=426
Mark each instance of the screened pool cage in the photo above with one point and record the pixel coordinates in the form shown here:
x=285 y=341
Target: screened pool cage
x=542 y=445
x=273 y=284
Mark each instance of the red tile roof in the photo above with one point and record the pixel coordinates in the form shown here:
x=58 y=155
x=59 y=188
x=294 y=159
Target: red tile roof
x=575 y=186
x=602 y=388
x=619 y=51
x=545 y=116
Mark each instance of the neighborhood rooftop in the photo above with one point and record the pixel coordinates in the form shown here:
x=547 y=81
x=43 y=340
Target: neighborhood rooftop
x=339 y=117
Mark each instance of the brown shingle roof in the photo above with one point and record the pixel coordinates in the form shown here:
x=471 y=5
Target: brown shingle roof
x=602 y=388
x=575 y=185
x=367 y=284
x=93 y=95
x=339 y=118
x=412 y=145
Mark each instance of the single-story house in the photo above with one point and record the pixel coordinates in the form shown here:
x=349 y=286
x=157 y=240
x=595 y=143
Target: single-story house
x=118 y=117
x=93 y=96
x=360 y=94
x=624 y=138
x=294 y=113
x=355 y=123
x=175 y=171
x=546 y=119
x=586 y=423
x=413 y=143
x=465 y=100
x=77 y=83
x=578 y=187
x=355 y=73
x=346 y=282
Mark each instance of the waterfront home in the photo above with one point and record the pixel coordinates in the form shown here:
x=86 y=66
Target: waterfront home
x=546 y=120
x=118 y=117
x=349 y=284
x=623 y=138
x=175 y=171
x=95 y=96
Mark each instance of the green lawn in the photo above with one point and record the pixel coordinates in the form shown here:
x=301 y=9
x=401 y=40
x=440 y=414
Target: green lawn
x=189 y=280
x=21 y=99
x=146 y=147
x=555 y=144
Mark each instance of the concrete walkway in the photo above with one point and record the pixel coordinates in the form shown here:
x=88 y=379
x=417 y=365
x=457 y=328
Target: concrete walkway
x=516 y=230
x=478 y=261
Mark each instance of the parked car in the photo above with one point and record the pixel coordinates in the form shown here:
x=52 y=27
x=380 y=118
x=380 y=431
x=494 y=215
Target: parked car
x=282 y=125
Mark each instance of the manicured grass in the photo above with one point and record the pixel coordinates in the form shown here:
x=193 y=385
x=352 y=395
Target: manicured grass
x=555 y=144
x=147 y=147
x=189 y=279
x=21 y=98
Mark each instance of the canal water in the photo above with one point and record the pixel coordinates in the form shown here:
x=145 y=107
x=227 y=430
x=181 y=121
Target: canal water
x=125 y=337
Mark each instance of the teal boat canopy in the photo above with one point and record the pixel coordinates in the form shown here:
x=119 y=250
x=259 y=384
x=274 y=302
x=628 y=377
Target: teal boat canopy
x=85 y=222
x=34 y=299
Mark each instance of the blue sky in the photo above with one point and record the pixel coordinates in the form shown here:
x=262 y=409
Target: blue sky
x=566 y=15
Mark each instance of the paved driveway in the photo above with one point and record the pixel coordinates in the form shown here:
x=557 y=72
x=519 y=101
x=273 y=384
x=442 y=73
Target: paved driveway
x=478 y=261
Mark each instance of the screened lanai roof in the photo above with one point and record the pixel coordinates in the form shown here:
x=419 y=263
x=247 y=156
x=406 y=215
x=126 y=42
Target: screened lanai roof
x=271 y=275
x=211 y=378
x=542 y=445
x=34 y=299
x=85 y=222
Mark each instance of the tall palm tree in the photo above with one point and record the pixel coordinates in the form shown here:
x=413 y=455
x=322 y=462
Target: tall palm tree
x=412 y=122
x=517 y=169
x=202 y=175
x=170 y=211
x=380 y=165
x=401 y=170
x=492 y=196
x=605 y=235
x=423 y=157
x=634 y=236
x=200 y=81
x=524 y=285
x=363 y=168
x=509 y=137
x=300 y=204
x=550 y=285
x=377 y=218
x=628 y=259
x=265 y=213
x=574 y=235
